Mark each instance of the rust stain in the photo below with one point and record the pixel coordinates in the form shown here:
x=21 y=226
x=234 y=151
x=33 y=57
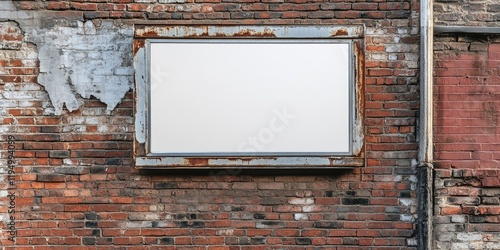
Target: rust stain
x=190 y=32
x=241 y=33
x=138 y=43
x=253 y=33
x=139 y=149
x=333 y=161
x=360 y=85
x=340 y=32
x=247 y=160
x=150 y=33
x=197 y=161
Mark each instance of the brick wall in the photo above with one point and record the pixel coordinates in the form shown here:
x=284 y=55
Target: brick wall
x=467 y=103
x=467 y=142
x=466 y=127
x=467 y=12
x=75 y=181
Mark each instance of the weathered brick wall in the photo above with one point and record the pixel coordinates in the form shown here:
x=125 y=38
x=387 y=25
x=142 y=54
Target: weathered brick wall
x=467 y=142
x=466 y=127
x=467 y=103
x=467 y=12
x=75 y=181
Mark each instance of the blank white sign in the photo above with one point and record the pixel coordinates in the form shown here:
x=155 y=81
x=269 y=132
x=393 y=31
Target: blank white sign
x=247 y=97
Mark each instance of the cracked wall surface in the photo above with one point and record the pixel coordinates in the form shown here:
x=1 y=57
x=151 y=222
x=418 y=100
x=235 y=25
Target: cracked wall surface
x=78 y=58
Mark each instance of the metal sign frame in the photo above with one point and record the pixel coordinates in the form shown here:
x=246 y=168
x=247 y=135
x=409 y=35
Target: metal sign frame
x=144 y=35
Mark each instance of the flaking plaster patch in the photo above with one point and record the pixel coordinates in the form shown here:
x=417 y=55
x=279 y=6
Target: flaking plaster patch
x=84 y=59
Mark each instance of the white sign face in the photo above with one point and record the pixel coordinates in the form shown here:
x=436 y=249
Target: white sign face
x=249 y=97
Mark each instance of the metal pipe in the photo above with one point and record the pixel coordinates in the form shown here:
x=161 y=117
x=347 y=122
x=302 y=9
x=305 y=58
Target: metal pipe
x=426 y=78
x=425 y=154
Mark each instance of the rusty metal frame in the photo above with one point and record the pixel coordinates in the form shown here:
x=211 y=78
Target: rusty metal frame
x=350 y=34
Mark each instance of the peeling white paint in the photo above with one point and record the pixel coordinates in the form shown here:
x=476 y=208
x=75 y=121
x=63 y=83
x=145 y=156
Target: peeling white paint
x=84 y=60
x=141 y=107
x=407 y=218
x=300 y=217
x=77 y=59
x=225 y=232
x=406 y=202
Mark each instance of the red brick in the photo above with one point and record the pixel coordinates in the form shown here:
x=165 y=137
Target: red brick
x=450 y=210
x=491 y=181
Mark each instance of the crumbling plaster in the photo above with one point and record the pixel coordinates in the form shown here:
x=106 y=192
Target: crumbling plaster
x=78 y=58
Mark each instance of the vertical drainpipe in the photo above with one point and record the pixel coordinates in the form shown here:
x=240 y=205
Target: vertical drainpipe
x=425 y=154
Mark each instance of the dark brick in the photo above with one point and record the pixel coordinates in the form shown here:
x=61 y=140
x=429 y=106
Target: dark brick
x=398 y=14
x=176 y=16
x=47 y=137
x=259 y=216
x=184 y=216
x=341 y=216
x=50 y=129
x=350 y=193
x=355 y=201
x=244 y=241
x=242 y=15
x=166 y=185
x=350 y=241
x=59 y=154
x=303 y=241
x=477 y=219
x=405 y=194
x=392 y=217
x=272 y=201
x=166 y=241
x=98 y=170
x=258 y=241
x=50 y=178
x=231 y=240
x=69 y=170
x=91 y=224
x=495 y=8
x=267 y=224
x=37 y=199
x=474 y=201
x=92 y=216
x=194 y=224
x=405 y=171
x=490 y=200
x=226 y=7
x=89 y=240
x=113 y=161
x=325 y=224
x=104 y=240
